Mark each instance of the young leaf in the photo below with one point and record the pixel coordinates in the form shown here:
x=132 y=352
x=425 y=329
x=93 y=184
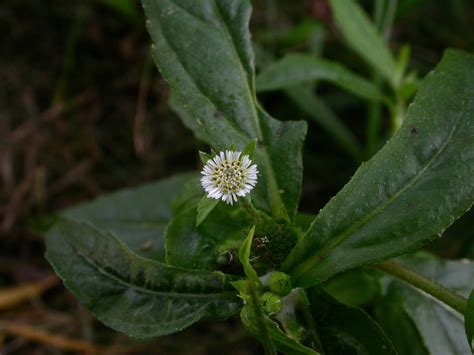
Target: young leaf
x=204 y=157
x=441 y=328
x=138 y=217
x=199 y=247
x=253 y=303
x=139 y=297
x=283 y=342
x=206 y=205
x=362 y=36
x=301 y=68
x=415 y=187
x=344 y=329
x=203 y=50
x=469 y=321
x=244 y=257
x=250 y=148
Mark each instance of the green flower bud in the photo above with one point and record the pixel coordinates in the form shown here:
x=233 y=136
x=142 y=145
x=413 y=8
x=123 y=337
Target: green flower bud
x=271 y=303
x=280 y=283
x=272 y=242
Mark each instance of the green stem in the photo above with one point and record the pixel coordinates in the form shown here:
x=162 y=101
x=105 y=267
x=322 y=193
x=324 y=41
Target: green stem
x=251 y=210
x=267 y=341
x=421 y=282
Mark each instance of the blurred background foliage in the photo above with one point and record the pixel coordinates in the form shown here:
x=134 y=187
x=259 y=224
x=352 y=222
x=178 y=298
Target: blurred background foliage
x=83 y=111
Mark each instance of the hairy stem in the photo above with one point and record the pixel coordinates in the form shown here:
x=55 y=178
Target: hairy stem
x=421 y=282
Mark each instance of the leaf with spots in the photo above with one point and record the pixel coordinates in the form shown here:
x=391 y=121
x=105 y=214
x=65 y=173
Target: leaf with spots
x=414 y=188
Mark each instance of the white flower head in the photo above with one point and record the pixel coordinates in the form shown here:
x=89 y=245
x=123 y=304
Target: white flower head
x=229 y=175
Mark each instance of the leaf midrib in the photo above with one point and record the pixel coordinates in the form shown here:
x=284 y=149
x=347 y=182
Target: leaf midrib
x=272 y=185
x=320 y=256
x=127 y=284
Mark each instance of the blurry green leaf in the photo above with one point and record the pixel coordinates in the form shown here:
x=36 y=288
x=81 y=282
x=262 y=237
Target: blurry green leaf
x=139 y=297
x=354 y=287
x=204 y=157
x=206 y=205
x=344 y=329
x=415 y=187
x=300 y=68
x=469 y=321
x=399 y=326
x=203 y=51
x=441 y=328
x=322 y=114
x=250 y=148
x=283 y=342
x=362 y=36
x=138 y=217
x=124 y=7
x=199 y=247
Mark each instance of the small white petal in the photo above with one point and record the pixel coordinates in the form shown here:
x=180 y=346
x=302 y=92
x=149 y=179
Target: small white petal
x=227 y=183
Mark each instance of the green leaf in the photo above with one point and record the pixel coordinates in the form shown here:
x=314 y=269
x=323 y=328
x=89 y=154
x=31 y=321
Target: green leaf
x=440 y=327
x=250 y=148
x=362 y=36
x=206 y=205
x=204 y=157
x=283 y=342
x=199 y=247
x=203 y=51
x=139 y=297
x=356 y=287
x=138 y=217
x=124 y=7
x=322 y=114
x=244 y=257
x=344 y=329
x=295 y=69
x=415 y=187
x=398 y=326
x=469 y=320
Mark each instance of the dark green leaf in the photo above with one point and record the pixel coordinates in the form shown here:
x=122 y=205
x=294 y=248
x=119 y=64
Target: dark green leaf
x=362 y=36
x=138 y=217
x=140 y=297
x=354 y=287
x=398 y=326
x=206 y=205
x=441 y=328
x=283 y=342
x=343 y=329
x=301 y=68
x=203 y=50
x=469 y=321
x=199 y=247
x=417 y=185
